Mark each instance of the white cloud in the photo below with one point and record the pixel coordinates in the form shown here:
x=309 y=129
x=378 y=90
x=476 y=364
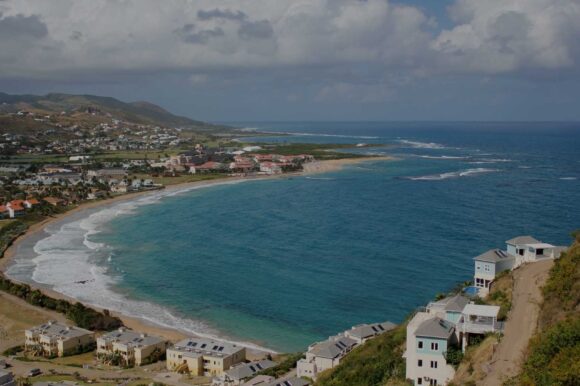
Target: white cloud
x=371 y=39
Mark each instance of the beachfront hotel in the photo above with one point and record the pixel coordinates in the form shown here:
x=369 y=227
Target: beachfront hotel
x=442 y=327
x=54 y=339
x=519 y=250
x=130 y=348
x=242 y=372
x=204 y=357
x=328 y=354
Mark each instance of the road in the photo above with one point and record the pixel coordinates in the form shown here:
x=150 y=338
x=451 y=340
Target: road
x=521 y=324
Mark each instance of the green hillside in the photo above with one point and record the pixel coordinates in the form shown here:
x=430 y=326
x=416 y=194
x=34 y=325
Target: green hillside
x=135 y=112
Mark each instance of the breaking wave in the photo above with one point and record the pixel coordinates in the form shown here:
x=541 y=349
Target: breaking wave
x=70 y=263
x=457 y=174
x=421 y=145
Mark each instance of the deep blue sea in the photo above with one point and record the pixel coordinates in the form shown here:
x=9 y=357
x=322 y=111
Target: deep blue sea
x=286 y=262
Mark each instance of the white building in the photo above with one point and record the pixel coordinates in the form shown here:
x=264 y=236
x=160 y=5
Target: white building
x=204 y=357
x=445 y=325
x=132 y=348
x=527 y=249
x=324 y=355
x=55 y=339
x=239 y=373
x=488 y=265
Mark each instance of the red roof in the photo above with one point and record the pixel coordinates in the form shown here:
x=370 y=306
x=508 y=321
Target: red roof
x=16 y=207
x=3 y=209
x=209 y=165
x=33 y=201
x=16 y=203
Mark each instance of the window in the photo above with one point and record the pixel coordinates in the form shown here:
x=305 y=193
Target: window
x=434 y=346
x=486 y=267
x=420 y=344
x=433 y=364
x=419 y=381
x=433 y=382
x=420 y=363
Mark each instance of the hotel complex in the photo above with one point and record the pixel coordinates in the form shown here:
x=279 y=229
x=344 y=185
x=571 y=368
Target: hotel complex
x=54 y=339
x=130 y=348
x=199 y=356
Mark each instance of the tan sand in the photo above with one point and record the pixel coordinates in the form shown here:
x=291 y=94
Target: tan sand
x=31 y=313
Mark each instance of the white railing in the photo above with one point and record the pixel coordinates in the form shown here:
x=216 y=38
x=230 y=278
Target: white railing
x=478 y=328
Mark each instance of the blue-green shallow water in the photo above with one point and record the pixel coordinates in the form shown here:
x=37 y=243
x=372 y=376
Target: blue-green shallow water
x=286 y=262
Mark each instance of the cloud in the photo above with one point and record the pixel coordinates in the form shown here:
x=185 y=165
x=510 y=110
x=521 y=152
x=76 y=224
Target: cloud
x=189 y=34
x=226 y=14
x=372 y=39
x=20 y=26
x=256 y=30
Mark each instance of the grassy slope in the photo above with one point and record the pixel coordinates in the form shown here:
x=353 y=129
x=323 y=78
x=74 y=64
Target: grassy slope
x=553 y=357
x=378 y=362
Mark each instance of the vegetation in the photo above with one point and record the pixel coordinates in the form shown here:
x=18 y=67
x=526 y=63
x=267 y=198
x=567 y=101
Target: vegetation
x=377 y=362
x=9 y=231
x=319 y=151
x=82 y=316
x=13 y=351
x=288 y=363
x=553 y=356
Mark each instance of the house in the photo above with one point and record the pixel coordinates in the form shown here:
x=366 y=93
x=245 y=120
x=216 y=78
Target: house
x=527 y=249
x=428 y=339
x=54 y=339
x=324 y=355
x=7 y=379
x=207 y=167
x=488 y=265
x=270 y=168
x=16 y=208
x=54 y=201
x=204 y=357
x=236 y=375
x=30 y=203
x=363 y=332
x=444 y=325
x=132 y=348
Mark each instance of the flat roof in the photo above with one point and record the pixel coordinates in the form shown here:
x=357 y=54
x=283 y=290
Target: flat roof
x=522 y=240
x=481 y=310
x=132 y=338
x=203 y=346
x=55 y=330
x=540 y=245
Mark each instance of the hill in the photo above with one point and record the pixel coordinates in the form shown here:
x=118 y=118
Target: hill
x=92 y=105
x=553 y=355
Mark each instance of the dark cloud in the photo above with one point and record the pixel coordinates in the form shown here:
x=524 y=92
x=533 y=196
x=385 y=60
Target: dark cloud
x=76 y=35
x=189 y=34
x=226 y=14
x=261 y=29
x=20 y=26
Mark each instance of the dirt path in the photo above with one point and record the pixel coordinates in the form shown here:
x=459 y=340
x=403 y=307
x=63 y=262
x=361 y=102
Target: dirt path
x=521 y=323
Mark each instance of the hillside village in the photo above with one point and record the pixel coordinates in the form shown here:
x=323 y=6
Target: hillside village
x=438 y=336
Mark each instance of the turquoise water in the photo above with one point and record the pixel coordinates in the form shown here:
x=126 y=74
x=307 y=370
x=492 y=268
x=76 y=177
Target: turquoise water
x=286 y=262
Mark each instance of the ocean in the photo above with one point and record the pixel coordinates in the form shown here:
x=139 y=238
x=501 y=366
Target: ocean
x=283 y=263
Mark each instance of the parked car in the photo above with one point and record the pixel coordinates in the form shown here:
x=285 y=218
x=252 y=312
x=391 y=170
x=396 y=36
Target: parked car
x=34 y=372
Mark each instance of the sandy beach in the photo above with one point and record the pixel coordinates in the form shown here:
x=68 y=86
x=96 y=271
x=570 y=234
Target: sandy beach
x=32 y=313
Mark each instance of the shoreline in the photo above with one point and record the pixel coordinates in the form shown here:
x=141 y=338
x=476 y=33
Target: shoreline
x=138 y=323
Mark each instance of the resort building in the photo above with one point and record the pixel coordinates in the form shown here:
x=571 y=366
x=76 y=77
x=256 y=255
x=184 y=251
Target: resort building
x=443 y=326
x=129 y=348
x=428 y=339
x=54 y=339
x=293 y=381
x=328 y=354
x=236 y=375
x=324 y=355
x=6 y=379
x=527 y=249
x=488 y=265
x=199 y=356
x=260 y=380
x=519 y=250
x=363 y=332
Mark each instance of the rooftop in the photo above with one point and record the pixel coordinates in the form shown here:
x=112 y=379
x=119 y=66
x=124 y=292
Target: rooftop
x=246 y=370
x=129 y=337
x=435 y=328
x=367 y=330
x=452 y=303
x=200 y=346
x=522 y=240
x=55 y=330
x=481 y=310
x=494 y=256
x=332 y=347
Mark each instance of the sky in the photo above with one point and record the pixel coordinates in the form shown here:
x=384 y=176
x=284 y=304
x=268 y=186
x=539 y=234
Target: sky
x=302 y=60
